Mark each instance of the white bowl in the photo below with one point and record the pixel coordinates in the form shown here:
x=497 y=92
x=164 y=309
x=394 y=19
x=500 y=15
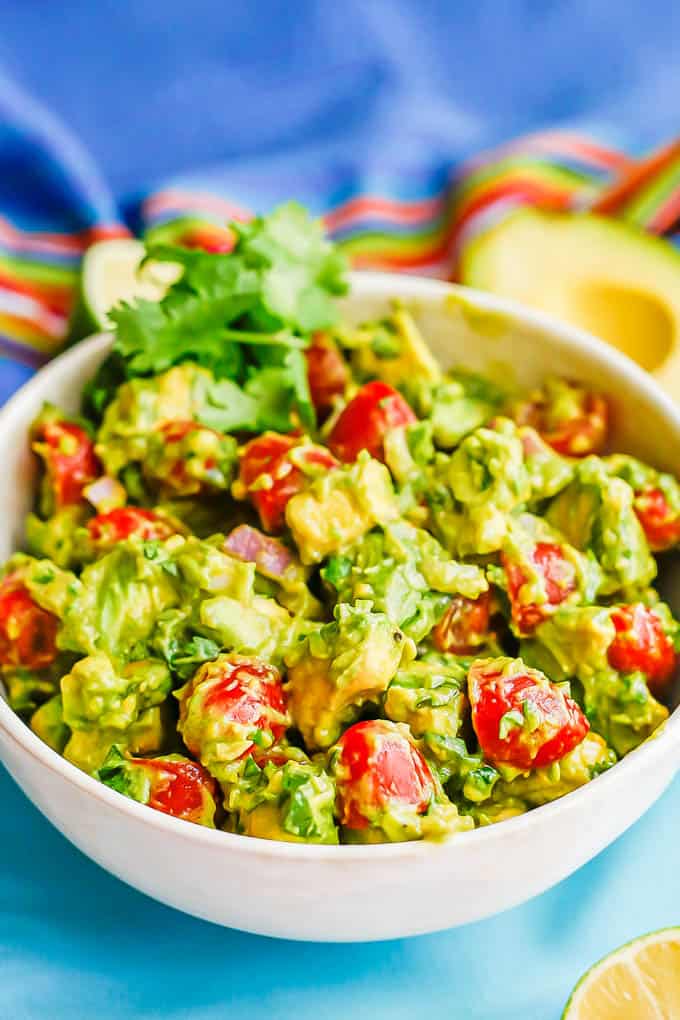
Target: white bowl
x=357 y=892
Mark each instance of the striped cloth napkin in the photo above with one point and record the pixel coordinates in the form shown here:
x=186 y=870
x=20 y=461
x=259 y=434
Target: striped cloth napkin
x=54 y=203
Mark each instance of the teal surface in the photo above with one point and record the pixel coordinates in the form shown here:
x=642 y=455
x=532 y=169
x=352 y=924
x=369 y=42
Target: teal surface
x=80 y=944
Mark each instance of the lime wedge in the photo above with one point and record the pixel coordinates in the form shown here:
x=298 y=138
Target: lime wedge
x=639 y=981
x=110 y=273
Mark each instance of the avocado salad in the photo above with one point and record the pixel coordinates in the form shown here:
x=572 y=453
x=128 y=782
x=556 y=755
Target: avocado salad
x=287 y=578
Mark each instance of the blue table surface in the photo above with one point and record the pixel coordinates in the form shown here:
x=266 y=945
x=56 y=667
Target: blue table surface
x=155 y=88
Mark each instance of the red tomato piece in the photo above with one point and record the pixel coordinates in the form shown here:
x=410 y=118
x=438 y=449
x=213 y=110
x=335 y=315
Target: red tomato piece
x=362 y=425
x=28 y=633
x=641 y=644
x=230 y=693
x=520 y=718
x=183 y=789
x=269 y=472
x=464 y=626
x=660 y=523
x=117 y=525
x=174 y=431
x=557 y=576
x=379 y=768
x=214 y=240
x=326 y=371
x=70 y=460
x=578 y=431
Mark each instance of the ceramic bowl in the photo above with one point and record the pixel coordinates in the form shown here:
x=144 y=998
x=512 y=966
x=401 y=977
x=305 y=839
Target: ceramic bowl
x=358 y=892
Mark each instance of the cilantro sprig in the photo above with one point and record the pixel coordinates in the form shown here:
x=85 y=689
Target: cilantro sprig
x=246 y=316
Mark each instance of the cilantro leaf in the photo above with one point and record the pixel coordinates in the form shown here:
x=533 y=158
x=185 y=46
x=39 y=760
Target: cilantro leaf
x=229 y=408
x=246 y=316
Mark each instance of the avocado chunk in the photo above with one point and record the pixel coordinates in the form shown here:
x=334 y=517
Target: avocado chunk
x=141 y=405
x=48 y=723
x=596 y=511
x=455 y=405
x=392 y=350
x=337 y=669
x=602 y=275
x=477 y=488
x=340 y=507
x=116 y=603
x=293 y=802
x=430 y=698
x=406 y=574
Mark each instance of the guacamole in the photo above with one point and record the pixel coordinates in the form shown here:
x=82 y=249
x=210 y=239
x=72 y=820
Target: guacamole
x=288 y=578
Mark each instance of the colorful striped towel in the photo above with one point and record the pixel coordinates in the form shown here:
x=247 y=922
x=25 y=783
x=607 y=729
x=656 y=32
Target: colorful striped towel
x=56 y=204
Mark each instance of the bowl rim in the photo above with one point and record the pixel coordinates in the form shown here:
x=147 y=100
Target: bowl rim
x=665 y=740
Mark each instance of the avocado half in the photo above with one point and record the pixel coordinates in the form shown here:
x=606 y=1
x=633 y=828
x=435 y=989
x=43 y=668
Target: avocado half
x=602 y=275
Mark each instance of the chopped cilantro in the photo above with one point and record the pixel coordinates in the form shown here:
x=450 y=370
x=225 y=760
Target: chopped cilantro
x=511 y=720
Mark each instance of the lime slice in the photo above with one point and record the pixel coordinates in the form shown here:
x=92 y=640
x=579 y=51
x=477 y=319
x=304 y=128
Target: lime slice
x=639 y=981
x=110 y=273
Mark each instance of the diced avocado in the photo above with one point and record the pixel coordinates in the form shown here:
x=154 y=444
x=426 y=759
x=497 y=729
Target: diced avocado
x=548 y=471
x=117 y=602
x=88 y=748
x=429 y=697
x=406 y=574
x=48 y=723
x=392 y=350
x=251 y=629
x=203 y=565
x=59 y=537
x=340 y=507
x=596 y=272
x=27 y=688
x=96 y=693
x=586 y=761
x=453 y=406
x=487 y=479
x=334 y=671
x=141 y=405
x=293 y=802
x=596 y=512
x=51 y=587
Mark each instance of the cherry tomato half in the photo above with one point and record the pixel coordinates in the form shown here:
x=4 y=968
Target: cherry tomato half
x=660 y=523
x=520 y=718
x=464 y=626
x=362 y=425
x=28 y=633
x=556 y=575
x=183 y=789
x=326 y=372
x=229 y=695
x=574 y=422
x=641 y=644
x=70 y=460
x=380 y=769
x=125 y=521
x=270 y=473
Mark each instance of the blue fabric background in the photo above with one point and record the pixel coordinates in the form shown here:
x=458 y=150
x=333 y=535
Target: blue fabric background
x=267 y=95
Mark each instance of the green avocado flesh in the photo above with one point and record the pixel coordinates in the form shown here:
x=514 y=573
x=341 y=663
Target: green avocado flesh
x=604 y=276
x=292 y=580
